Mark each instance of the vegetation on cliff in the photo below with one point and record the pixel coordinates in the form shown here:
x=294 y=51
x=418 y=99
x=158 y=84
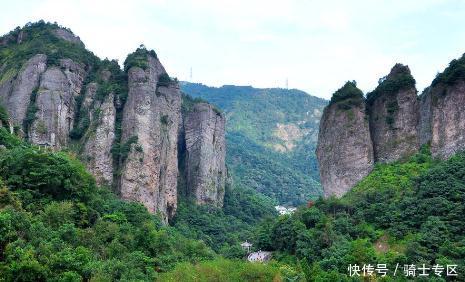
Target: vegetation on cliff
x=347 y=95
x=399 y=79
x=138 y=58
x=21 y=44
x=3 y=116
x=454 y=72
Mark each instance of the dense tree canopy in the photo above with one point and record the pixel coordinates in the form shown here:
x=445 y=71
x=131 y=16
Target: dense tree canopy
x=406 y=213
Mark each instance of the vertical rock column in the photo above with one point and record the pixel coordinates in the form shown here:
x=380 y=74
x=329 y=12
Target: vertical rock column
x=150 y=128
x=344 y=150
x=99 y=140
x=394 y=116
x=55 y=104
x=205 y=154
x=15 y=95
x=447 y=110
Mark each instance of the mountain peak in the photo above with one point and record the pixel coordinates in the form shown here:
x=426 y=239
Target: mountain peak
x=39 y=29
x=397 y=70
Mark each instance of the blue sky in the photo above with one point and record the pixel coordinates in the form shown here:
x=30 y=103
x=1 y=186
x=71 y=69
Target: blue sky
x=317 y=45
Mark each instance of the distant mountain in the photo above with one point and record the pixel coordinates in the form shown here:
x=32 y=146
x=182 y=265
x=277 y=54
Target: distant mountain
x=271 y=136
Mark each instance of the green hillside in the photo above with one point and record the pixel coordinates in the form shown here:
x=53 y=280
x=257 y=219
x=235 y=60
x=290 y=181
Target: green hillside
x=401 y=213
x=271 y=137
x=56 y=224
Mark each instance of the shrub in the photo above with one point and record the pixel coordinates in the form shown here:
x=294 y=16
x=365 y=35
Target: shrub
x=54 y=174
x=164 y=79
x=454 y=72
x=349 y=92
x=138 y=58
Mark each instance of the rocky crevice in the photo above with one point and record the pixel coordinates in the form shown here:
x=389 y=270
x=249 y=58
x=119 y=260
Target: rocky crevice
x=99 y=140
x=204 y=131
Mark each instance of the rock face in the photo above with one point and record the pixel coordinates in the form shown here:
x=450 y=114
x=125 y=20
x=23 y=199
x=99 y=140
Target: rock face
x=150 y=122
x=67 y=36
x=100 y=138
x=447 y=118
x=124 y=125
x=394 y=116
x=399 y=121
x=16 y=94
x=344 y=150
x=55 y=104
x=205 y=154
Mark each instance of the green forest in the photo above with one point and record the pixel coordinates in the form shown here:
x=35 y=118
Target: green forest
x=402 y=213
x=57 y=224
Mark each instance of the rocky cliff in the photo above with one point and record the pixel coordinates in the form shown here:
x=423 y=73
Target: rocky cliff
x=205 y=169
x=99 y=139
x=394 y=116
x=150 y=123
x=345 y=150
x=15 y=92
x=55 y=104
x=399 y=121
x=124 y=124
x=445 y=109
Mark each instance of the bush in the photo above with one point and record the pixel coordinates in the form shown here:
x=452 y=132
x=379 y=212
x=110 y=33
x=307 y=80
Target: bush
x=223 y=270
x=54 y=174
x=454 y=72
x=4 y=118
x=389 y=86
x=138 y=58
x=349 y=92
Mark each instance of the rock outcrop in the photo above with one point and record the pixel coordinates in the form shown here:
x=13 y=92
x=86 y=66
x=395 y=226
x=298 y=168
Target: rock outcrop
x=150 y=122
x=399 y=121
x=447 y=118
x=68 y=36
x=344 y=150
x=442 y=115
x=99 y=140
x=394 y=116
x=15 y=94
x=124 y=124
x=55 y=104
x=205 y=155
